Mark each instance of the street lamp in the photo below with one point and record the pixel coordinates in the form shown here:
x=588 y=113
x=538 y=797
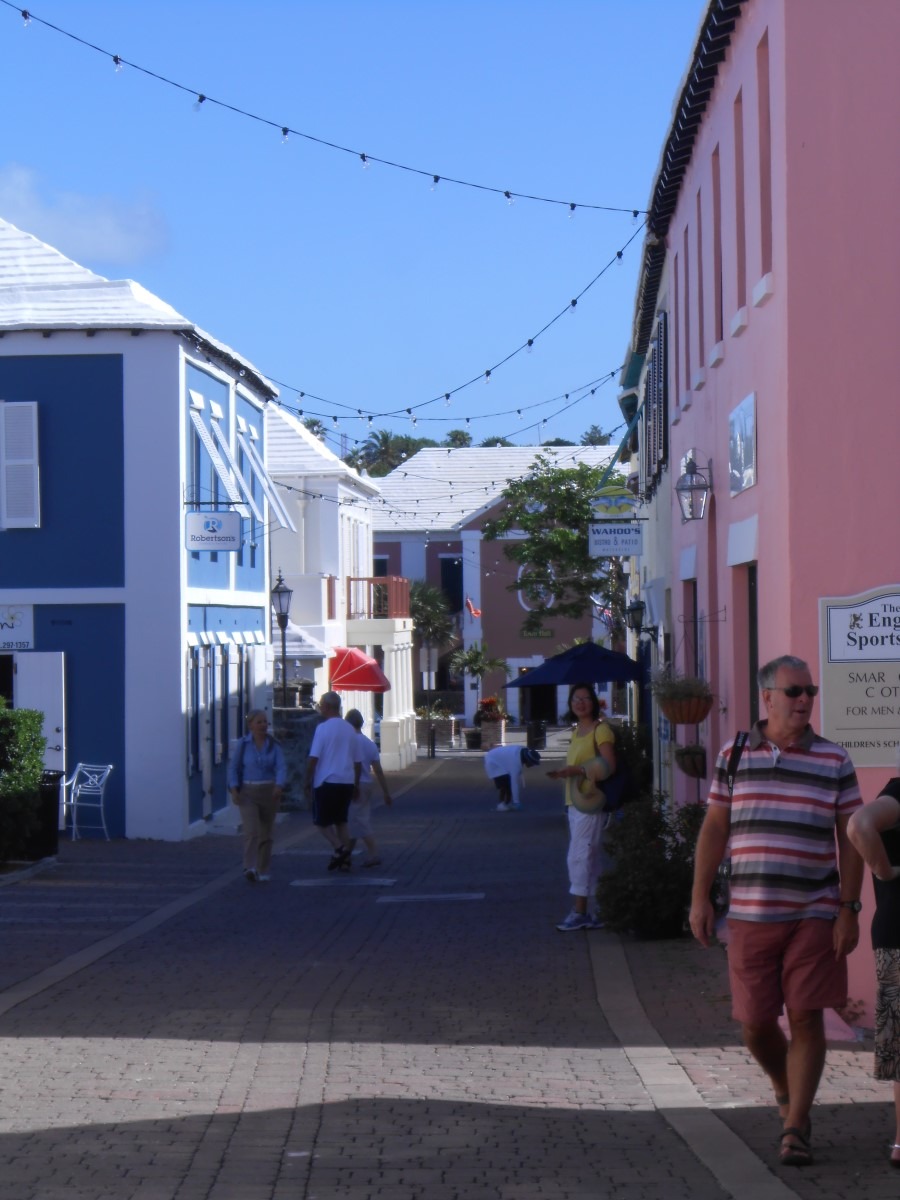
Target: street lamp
x=693 y=489
x=281 y=601
x=634 y=619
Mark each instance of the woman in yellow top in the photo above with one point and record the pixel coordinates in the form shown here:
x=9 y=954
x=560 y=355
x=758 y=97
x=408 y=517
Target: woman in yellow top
x=591 y=755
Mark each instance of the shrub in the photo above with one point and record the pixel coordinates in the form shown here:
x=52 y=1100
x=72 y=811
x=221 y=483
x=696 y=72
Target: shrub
x=647 y=891
x=21 y=764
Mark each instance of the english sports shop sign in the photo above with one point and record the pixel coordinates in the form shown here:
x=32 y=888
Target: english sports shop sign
x=860 y=655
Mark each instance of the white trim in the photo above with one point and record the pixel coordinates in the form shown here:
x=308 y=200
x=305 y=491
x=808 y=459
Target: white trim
x=222 y=439
x=717 y=354
x=763 y=290
x=687 y=565
x=266 y=483
x=218 y=466
x=743 y=542
x=697 y=383
x=739 y=322
x=197 y=400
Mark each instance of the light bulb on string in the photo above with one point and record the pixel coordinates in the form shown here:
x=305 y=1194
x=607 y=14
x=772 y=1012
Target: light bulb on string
x=634 y=216
x=529 y=345
x=198 y=103
x=447 y=399
x=619 y=257
x=487 y=376
x=26 y=18
x=117 y=64
x=573 y=304
x=510 y=198
x=365 y=162
x=284 y=134
x=435 y=180
x=572 y=208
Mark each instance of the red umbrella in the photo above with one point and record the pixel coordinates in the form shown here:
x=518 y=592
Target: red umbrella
x=354 y=671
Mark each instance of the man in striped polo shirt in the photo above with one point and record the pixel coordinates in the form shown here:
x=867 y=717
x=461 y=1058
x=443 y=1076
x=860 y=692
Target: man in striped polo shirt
x=794 y=907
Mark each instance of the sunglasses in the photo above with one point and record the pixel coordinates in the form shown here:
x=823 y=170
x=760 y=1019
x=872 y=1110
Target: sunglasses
x=797 y=689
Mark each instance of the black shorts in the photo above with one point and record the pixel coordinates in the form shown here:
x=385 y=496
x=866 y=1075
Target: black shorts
x=331 y=803
x=503 y=783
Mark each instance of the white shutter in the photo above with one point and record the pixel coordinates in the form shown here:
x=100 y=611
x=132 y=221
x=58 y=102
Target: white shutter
x=222 y=439
x=266 y=483
x=219 y=466
x=20 y=492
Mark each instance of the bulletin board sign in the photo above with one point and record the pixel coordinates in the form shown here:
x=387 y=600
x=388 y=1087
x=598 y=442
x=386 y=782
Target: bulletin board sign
x=860 y=674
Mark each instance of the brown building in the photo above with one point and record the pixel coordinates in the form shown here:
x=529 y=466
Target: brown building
x=428 y=527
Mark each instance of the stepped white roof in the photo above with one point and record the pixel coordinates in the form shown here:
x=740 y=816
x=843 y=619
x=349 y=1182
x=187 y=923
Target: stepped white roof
x=291 y=450
x=446 y=489
x=41 y=289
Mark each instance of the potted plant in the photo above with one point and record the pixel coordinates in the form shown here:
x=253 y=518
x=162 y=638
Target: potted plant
x=691 y=759
x=647 y=891
x=683 y=699
x=490 y=718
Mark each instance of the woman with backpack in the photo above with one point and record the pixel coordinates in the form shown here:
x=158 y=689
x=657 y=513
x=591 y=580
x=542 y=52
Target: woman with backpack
x=591 y=758
x=257 y=774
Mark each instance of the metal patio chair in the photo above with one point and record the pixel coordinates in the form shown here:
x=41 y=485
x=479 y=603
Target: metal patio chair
x=84 y=790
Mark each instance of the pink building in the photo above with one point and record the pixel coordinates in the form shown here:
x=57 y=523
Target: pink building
x=763 y=346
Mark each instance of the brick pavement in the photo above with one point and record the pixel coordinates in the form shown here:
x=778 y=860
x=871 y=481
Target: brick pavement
x=179 y=1035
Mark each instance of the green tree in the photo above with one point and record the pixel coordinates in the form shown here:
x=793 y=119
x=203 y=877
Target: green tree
x=594 y=437
x=496 y=441
x=382 y=452
x=315 y=427
x=551 y=506
x=477 y=662
x=459 y=439
x=558 y=442
x=430 y=612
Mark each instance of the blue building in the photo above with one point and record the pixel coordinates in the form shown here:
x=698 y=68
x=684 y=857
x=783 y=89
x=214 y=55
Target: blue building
x=134 y=508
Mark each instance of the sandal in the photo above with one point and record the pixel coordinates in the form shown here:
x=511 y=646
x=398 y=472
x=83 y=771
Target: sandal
x=795 y=1153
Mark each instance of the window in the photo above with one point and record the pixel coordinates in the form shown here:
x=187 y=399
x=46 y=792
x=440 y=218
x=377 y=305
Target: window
x=20 y=493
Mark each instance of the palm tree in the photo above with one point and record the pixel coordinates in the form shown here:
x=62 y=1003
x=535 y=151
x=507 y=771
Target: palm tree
x=433 y=625
x=315 y=427
x=459 y=439
x=476 y=661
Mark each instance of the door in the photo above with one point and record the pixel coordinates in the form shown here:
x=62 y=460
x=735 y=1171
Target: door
x=39 y=682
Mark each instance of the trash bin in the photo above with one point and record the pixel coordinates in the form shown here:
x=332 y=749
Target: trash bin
x=44 y=841
x=473 y=739
x=536 y=735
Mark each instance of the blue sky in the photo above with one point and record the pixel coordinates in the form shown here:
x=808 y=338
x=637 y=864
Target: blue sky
x=365 y=288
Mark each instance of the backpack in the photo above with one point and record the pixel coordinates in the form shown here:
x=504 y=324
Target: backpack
x=619 y=787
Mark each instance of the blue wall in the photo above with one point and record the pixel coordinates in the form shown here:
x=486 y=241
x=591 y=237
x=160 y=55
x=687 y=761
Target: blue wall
x=81 y=542
x=92 y=637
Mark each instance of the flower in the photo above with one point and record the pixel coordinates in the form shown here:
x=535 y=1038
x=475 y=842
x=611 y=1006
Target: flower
x=489 y=709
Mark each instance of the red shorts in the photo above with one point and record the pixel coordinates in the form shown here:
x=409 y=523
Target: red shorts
x=775 y=964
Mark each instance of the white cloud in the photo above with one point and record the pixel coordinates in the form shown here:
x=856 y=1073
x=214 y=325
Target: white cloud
x=100 y=230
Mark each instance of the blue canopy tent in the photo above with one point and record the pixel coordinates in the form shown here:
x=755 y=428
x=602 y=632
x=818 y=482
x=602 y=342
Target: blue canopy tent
x=585 y=663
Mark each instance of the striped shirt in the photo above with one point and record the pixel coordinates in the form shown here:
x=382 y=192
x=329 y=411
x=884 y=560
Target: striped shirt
x=782 y=830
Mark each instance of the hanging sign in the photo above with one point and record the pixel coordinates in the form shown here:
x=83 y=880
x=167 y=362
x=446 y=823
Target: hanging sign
x=614 y=529
x=212 y=531
x=16 y=627
x=860 y=674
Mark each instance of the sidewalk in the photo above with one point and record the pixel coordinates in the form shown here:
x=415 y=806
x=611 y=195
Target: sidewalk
x=171 y=1033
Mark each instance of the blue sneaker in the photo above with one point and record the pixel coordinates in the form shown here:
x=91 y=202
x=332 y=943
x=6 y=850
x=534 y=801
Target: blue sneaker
x=575 y=920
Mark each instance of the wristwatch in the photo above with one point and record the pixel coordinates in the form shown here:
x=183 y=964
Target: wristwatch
x=853 y=905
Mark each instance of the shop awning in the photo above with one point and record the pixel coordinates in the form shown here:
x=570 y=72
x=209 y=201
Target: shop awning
x=354 y=671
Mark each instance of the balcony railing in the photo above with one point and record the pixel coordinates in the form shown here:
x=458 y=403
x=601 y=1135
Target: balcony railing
x=385 y=597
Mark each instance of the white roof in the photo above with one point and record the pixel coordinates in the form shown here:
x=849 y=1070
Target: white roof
x=445 y=489
x=291 y=450
x=42 y=289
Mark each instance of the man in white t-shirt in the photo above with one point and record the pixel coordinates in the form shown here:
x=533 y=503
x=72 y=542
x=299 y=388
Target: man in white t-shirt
x=505 y=765
x=332 y=778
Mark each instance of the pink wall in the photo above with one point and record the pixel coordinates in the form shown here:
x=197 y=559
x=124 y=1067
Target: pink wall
x=819 y=353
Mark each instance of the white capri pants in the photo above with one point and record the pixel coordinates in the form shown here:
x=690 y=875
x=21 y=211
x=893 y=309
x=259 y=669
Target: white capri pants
x=587 y=858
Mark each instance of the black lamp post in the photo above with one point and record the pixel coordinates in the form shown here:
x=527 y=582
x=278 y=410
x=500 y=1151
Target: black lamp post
x=281 y=601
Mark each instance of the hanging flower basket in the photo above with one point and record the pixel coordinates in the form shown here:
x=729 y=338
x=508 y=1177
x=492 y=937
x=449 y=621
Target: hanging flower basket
x=691 y=760
x=685 y=710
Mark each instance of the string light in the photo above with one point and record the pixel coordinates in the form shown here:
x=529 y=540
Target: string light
x=284 y=134
x=435 y=180
x=117 y=64
x=199 y=102
x=366 y=159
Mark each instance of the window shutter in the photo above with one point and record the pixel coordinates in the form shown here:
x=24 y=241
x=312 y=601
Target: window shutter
x=20 y=493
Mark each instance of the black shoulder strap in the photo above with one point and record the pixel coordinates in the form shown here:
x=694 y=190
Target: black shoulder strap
x=734 y=758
